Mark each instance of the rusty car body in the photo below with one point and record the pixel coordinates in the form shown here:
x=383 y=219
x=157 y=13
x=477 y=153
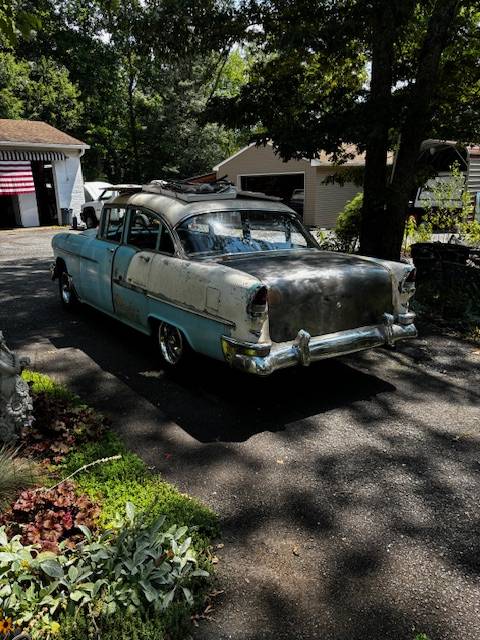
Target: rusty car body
x=234 y=276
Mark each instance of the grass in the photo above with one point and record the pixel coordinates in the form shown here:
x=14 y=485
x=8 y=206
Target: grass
x=40 y=383
x=114 y=483
x=16 y=474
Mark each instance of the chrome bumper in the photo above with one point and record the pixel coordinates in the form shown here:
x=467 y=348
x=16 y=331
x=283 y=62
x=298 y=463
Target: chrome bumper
x=305 y=349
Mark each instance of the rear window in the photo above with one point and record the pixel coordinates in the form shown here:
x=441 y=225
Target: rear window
x=227 y=232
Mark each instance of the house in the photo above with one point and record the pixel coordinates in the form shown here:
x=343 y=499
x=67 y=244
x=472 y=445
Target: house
x=40 y=174
x=260 y=169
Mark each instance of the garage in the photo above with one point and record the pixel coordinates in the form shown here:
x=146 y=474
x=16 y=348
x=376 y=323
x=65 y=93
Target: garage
x=301 y=183
x=41 y=180
x=289 y=187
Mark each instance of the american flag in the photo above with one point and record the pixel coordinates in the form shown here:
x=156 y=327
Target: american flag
x=16 y=178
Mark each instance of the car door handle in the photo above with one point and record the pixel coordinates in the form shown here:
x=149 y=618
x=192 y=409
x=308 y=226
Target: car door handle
x=111 y=250
x=145 y=258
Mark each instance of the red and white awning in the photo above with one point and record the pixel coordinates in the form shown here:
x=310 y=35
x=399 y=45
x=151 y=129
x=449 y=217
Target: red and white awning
x=16 y=178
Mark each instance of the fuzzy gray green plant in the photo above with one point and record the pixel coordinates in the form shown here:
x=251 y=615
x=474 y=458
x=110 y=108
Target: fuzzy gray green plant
x=17 y=473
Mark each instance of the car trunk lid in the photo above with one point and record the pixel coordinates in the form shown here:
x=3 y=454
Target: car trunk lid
x=318 y=291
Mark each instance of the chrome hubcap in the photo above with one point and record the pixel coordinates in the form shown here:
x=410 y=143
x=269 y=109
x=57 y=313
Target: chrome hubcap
x=66 y=293
x=171 y=343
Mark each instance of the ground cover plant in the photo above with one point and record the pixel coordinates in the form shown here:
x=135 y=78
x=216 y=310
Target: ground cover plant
x=101 y=544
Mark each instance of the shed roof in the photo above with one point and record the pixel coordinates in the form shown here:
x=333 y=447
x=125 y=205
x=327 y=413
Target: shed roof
x=34 y=133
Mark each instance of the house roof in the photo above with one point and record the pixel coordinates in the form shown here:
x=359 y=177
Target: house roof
x=324 y=159
x=33 y=133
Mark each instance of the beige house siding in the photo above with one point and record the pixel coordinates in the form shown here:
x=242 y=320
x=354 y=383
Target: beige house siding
x=262 y=160
x=330 y=198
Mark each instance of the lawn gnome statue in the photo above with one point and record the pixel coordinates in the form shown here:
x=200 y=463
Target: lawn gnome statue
x=15 y=400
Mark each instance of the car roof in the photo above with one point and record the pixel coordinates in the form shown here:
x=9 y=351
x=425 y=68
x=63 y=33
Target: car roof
x=175 y=210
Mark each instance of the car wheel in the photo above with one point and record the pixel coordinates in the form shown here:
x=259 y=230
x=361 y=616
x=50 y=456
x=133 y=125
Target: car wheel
x=68 y=297
x=174 y=348
x=91 y=220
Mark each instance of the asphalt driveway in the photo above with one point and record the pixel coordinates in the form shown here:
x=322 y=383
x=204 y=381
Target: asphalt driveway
x=348 y=491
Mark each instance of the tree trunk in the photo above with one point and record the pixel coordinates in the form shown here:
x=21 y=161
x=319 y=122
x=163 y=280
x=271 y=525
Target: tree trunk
x=131 y=114
x=417 y=122
x=379 y=111
x=383 y=223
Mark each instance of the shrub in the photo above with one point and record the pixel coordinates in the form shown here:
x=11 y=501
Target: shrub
x=48 y=517
x=136 y=568
x=172 y=624
x=348 y=224
x=16 y=474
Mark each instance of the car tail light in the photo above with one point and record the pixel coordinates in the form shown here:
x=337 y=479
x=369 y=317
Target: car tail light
x=257 y=305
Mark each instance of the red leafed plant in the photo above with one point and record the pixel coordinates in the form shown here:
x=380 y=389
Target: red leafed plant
x=49 y=516
x=58 y=425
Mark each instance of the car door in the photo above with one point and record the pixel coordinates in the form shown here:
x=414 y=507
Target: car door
x=97 y=260
x=144 y=237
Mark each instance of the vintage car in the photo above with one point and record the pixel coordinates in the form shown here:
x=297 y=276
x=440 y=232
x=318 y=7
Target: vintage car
x=232 y=275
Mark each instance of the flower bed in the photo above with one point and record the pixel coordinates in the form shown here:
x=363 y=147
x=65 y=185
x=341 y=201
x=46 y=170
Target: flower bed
x=111 y=552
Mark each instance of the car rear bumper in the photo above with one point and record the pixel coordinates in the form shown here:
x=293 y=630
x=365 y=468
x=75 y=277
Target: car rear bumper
x=305 y=349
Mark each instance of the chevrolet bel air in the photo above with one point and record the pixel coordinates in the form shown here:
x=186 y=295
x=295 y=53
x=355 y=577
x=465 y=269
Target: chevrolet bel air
x=232 y=275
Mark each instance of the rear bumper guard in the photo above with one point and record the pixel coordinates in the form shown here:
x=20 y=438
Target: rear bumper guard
x=305 y=349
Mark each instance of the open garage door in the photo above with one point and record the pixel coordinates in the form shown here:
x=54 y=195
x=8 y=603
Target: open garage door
x=290 y=187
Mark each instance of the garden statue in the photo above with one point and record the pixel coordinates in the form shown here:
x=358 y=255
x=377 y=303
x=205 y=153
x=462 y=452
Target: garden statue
x=15 y=400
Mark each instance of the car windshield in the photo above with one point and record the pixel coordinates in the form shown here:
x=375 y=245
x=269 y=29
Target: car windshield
x=226 y=232
x=108 y=193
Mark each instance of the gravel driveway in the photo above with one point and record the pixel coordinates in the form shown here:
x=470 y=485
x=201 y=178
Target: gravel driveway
x=348 y=491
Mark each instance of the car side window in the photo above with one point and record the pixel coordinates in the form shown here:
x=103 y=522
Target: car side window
x=113 y=221
x=147 y=232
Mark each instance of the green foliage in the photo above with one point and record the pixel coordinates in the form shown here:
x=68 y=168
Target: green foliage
x=448 y=206
x=309 y=90
x=128 y=479
x=134 y=568
x=41 y=383
x=142 y=73
x=347 y=228
x=15 y=22
x=421 y=636
x=172 y=624
x=38 y=90
x=449 y=209
x=141 y=575
x=16 y=474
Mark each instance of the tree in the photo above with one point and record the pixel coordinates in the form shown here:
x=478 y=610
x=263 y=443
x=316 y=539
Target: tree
x=144 y=71
x=39 y=90
x=16 y=20
x=381 y=75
